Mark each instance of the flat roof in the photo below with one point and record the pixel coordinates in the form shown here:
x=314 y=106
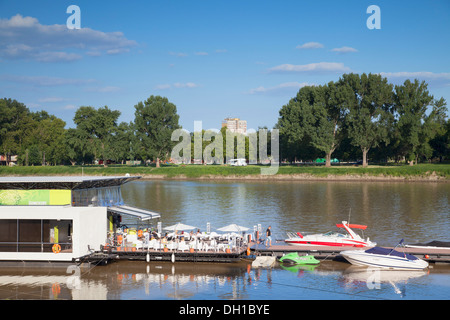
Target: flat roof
x=63 y=182
x=142 y=214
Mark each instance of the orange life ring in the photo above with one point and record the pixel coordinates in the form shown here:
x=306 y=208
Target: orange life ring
x=140 y=233
x=56 y=248
x=56 y=288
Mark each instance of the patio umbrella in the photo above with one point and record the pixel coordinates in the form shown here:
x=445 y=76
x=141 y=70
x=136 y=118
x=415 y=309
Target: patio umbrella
x=233 y=228
x=179 y=227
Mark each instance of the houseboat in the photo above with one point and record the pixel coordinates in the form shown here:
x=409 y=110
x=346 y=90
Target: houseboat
x=61 y=219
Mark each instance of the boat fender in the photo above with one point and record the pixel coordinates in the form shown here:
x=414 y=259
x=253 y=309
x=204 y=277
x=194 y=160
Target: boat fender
x=248 y=251
x=173 y=258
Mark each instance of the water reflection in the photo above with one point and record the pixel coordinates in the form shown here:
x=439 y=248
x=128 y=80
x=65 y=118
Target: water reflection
x=128 y=280
x=374 y=278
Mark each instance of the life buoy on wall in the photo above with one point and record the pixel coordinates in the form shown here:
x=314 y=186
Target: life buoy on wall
x=56 y=248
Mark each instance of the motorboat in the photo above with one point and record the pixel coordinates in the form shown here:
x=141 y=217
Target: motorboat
x=331 y=238
x=294 y=258
x=435 y=244
x=384 y=258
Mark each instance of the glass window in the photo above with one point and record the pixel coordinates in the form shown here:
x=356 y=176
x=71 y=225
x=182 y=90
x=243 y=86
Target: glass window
x=35 y=235
x=8 y=235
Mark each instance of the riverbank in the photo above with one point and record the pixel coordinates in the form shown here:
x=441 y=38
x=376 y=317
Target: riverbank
x=420 y=172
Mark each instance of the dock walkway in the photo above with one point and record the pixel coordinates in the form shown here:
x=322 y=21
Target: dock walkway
x=431 y=254
x=131 y=253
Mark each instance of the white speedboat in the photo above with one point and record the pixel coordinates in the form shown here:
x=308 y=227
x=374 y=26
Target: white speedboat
x=331 y=238
x=441 y=245
x=384 y=258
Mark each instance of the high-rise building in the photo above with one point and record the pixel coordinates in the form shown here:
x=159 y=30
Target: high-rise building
x=235 y=125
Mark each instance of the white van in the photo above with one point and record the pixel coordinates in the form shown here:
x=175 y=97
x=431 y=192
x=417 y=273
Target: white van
x=237 y=162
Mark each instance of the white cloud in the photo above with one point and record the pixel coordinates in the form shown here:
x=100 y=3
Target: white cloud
x=51 y=99
x=420 y=75
x=106 y=89
x=312 y=68
x=281 y=88
x=310 y=45
x=344 y=50
x=176 y=85
x=26 y=38
x=437 y=79
x=178 y=54
x=162 y=86
x=185 y=85
x=45 y=81
x=201 y=53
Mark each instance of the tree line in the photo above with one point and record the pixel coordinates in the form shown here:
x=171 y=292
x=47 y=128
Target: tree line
x=40 y=138
x=364 y=116
x=357 y=117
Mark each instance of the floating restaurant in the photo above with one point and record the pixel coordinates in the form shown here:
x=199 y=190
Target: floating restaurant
x=61 y=219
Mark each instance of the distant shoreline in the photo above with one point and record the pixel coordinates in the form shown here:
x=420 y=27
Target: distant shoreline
x=302 y=177
x=404 y=173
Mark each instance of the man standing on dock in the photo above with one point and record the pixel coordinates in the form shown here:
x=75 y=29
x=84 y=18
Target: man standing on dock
x=269 y=236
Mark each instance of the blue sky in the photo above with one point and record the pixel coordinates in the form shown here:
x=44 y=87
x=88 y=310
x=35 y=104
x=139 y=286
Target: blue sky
x=212 y=59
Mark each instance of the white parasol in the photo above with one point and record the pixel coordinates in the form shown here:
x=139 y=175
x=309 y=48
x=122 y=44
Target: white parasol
x=233 y=228
x=179 y=227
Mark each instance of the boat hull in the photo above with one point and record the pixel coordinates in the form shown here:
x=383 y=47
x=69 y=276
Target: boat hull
x=333 y=239
x=362 y=258
x=301 y=242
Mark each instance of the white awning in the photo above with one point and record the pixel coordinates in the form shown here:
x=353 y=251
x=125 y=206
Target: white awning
x=135 y=212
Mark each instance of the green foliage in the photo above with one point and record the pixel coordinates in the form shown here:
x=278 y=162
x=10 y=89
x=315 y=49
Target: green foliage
x=363 y=111
x=358 y=116
x=155 y=120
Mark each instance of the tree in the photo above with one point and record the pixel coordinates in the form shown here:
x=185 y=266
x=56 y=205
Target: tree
x=370 y=110
x=122 y=142
x=293 y=120
x=433 y=125
x=412 y=100
x=97 y=126
x=155 y=120
x=328 y=114
x=15 y=124
x=441 y=143
x=48 y=134
x=316 y=115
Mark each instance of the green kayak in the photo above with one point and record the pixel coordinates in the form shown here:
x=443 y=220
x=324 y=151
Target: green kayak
x=294 y=258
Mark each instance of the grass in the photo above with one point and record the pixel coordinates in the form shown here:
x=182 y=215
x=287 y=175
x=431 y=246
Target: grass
x=197 y=171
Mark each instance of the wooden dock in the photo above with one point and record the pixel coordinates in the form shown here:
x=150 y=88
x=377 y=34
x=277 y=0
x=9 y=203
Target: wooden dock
x=432 y=254
x=109 y=254
x=131 y=253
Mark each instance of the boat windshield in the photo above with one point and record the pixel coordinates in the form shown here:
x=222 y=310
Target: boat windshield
x=387 y=251
x=334 y=234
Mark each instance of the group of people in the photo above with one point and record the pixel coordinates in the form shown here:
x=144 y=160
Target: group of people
x=268 y=239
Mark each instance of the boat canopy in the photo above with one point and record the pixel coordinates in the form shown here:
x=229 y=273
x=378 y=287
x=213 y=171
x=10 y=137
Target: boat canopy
x=390 y=252
x=353 y=226
x=135 y=212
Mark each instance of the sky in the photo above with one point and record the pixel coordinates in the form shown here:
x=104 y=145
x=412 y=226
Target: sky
x=213 y=59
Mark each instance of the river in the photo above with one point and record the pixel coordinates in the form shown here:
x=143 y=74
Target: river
x=393 y=211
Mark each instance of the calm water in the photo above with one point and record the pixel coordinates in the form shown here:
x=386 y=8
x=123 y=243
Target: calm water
x=392 y=211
